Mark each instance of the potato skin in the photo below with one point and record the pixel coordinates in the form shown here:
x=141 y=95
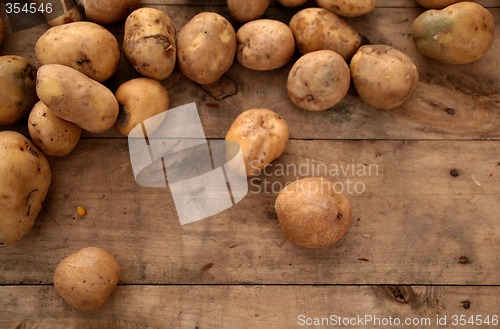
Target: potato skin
x=74 y=97
x=436 y=4
x=348 y=8
x=312 y=214
x=318 y=80
x=262 y=135
x=87 y=278
x=84 y=46
x=139 y=100
x=264 y=44
x=17 y=88
x=245 y=11
x=384 y=77
x=458 y=34
x=24 y=182
x=318 y=29
x=53 y=135
x=206 y=33
x=108 y=11
x=149 y=43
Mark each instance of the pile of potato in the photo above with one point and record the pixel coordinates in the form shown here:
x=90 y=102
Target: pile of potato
x=65 y=95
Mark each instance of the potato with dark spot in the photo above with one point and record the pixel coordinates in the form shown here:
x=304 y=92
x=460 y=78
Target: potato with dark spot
x=108 y=11
x=53 y=135
x=84 y=46
x=139 y=100
x=17 y=88
x=149 y=43
x=24 y=183
x=206 y=47
x=348 y=8
x=383 y=76
x=458 y=34
x=76 y=98
x=318 y=80
x=245 y=10
x=318 y=29
x=262 y=135
x=87 y=278
x=312 y=213
x=264 y=44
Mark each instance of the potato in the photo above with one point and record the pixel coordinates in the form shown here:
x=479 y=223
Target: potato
x=318 y=80
x=312 y=214
x=74 y=97
x=318 y=29
x=24 y=182
x=17 y=88
x=84 y=46
x=436 y=4
x=149 y=43
x=87 y=278
x=383 y=76
x=348 y=8
x=459 y=34
x=245 y=11
x=53 y=135
x=264 y=44
x=262 y=135
x=109 y=11
x=292 y=3
x=62 y=12
x=206 y=47
x=139 y=99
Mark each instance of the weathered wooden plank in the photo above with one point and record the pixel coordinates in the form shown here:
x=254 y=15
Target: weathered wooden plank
x=451 y=101
x=255 y=307
x=418 y=207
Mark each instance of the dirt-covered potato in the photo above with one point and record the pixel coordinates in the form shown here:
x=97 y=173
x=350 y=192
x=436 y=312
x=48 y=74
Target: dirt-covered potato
x=318 y=80
x=53 y=135
x=245 y=11
x=262 y=135
x=17 y=88
x=383 y=76
x=61 y=12
x=139 y=99
x=458 y=34
x=149 y=43
x=109 y=11
x=24 y=182
x=436 y=4
x=264 y=44
x=318 y=29
x=348 y=8
x=312 y=214
x=87 y=278
x=206 y=47
x=84 y=46
x=76 y=98
x=292 y=3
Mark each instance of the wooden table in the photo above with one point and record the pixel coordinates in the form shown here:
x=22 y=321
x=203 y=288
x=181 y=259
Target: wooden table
x=425 y=239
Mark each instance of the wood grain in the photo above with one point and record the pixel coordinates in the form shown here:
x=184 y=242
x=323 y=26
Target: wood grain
x=188 y=307
x=406 y=205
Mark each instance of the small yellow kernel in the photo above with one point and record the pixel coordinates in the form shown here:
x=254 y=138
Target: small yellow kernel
x=81 y=212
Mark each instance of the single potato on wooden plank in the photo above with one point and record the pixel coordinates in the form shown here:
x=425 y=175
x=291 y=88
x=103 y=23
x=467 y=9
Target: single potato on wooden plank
x=84 y=46
x=76 y=98
x=24 y=182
